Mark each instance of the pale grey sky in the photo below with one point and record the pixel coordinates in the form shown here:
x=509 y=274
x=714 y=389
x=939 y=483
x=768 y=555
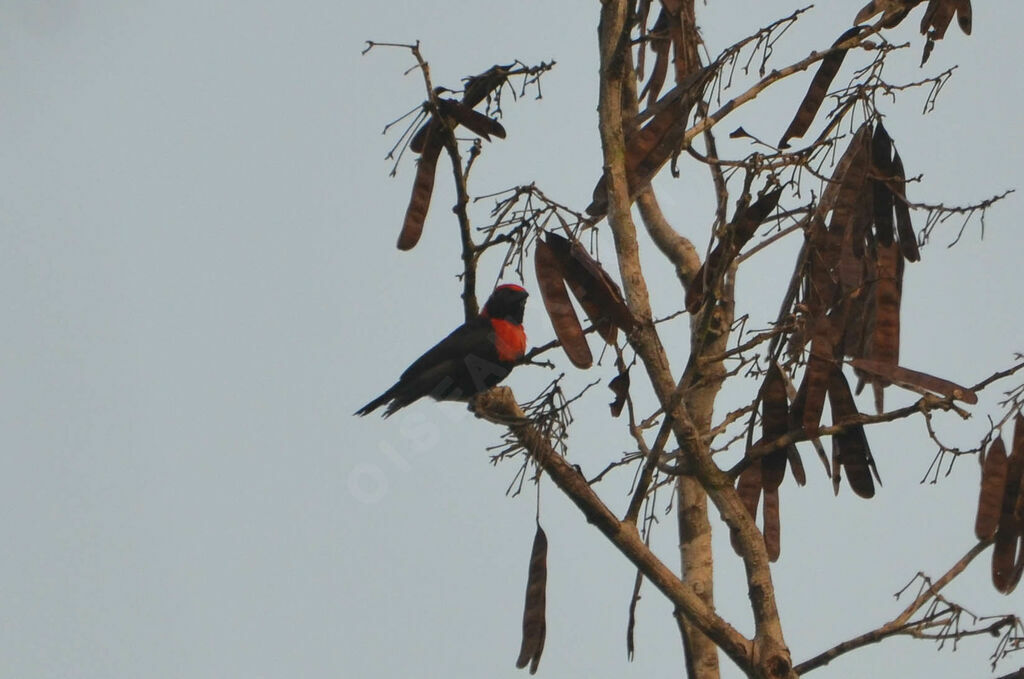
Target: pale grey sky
x=201 y=285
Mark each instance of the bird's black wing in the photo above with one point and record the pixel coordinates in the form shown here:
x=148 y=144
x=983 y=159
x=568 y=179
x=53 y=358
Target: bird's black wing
x=474 y=337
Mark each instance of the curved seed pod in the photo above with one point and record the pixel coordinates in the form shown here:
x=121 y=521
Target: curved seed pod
x=851 y=446
x=534 y=625
x=422 y=191
x=993 y=486
x=818 y=89
x=556 y=301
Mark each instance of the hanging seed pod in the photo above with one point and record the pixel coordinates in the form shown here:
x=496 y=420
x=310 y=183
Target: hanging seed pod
x=818 y=89
x=534 y=625
x=993 y=486
x=559 y=307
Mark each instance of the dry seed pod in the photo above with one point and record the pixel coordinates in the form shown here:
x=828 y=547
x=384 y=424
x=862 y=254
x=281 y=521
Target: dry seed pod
x=593 y=287
x=774 y=423
x=534 y=624
x=427 y=141
x=817 y=90
x=850 y=448
x=550 y=279
x=817 y=375
x=422 y=190
x=905 y=377
x=993 y=486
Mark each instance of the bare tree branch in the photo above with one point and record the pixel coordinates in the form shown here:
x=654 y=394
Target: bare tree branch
x=901 y=623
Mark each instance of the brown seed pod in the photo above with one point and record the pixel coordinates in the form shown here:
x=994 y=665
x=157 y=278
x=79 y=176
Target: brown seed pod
x=817 y=90
x=550 y=279
x=993 y=487
x=534 y=624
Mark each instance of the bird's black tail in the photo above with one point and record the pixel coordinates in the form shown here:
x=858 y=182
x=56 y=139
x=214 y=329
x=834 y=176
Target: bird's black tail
x=375 y=403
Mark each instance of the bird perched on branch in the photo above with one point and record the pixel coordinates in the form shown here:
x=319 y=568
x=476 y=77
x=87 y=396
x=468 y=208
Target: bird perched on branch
x=472 y=358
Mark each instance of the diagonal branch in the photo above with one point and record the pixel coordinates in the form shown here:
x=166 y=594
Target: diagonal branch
x=499 y=405
x=898 y=625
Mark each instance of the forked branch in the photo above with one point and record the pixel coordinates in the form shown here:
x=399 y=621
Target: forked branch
x=902 y=623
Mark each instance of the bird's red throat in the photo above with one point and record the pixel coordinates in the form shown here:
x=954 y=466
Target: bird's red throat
x=510 y=340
